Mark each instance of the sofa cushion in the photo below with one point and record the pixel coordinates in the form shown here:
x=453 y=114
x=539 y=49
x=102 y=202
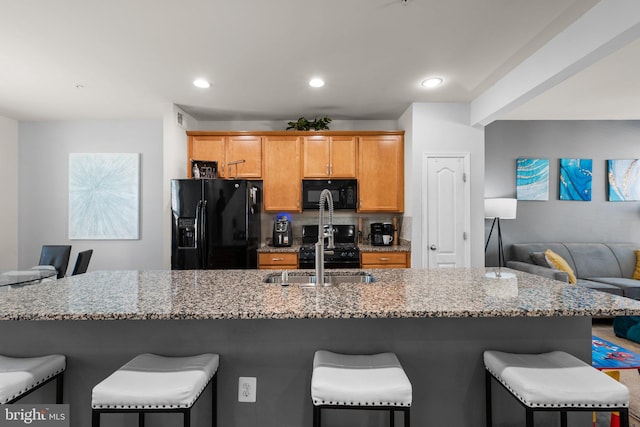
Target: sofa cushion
x=593 y=260
x=625 y=254
x=555 y=260
x=520 y=251
x=538 y=258
x=600 y=286
x=630 y=287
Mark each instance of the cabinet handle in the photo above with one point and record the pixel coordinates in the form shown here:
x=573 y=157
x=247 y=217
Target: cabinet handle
x=330 y=170
x=326 y=168
x=385 y=259
x=277 y=259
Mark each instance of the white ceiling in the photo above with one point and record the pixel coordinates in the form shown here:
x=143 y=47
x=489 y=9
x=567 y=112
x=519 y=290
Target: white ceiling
x=91 y=59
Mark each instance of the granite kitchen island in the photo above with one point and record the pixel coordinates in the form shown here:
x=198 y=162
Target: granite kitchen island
x=438 y=322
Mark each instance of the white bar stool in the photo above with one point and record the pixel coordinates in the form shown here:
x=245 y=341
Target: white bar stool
x=153 y=383
x=555 y=381
x=20 y=376
x=371 y=382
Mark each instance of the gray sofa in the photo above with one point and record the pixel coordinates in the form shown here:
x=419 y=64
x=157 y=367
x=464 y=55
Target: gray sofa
x=606 y=267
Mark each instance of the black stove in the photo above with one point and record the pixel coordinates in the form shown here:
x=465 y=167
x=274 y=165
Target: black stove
x=345 y=254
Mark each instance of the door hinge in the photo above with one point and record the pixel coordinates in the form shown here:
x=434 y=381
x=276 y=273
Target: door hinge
x=464 y=177
x=464 y=235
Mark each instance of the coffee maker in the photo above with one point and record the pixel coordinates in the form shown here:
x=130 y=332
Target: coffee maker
x=282 y=231
x=381 y=233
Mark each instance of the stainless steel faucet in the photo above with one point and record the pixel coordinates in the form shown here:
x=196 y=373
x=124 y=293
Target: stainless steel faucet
x=325 y=197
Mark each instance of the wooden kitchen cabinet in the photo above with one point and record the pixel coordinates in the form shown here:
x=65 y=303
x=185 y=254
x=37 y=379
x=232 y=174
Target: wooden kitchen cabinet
x=282 y=182
x=229 y=151
x=243 y=157
x=283 y=158
x=329 y=156
x=381 y=173
x=206 y=147
x=277 y=260
x=385 y=259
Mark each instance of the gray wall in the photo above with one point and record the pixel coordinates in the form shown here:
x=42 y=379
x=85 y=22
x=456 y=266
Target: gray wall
x=43 y=180
x=8 y=194
x=555 y=220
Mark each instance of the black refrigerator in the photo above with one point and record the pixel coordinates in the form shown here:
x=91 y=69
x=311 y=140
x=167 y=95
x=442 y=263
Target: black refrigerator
x=216 y=224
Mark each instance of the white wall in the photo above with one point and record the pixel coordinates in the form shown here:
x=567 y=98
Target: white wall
x=43 y=183
x=174 y=154
x=444 y=128
x=9 y=194
x=282 y=125
x=406 y=122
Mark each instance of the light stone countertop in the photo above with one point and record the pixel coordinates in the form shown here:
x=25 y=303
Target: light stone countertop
x=241 y=294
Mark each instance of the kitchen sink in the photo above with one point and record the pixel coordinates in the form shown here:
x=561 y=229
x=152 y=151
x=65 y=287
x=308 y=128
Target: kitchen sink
x=310 y=279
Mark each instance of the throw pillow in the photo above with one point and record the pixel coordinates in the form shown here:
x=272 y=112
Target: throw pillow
x=538 y=258
x=636 y=272
x=558 y=262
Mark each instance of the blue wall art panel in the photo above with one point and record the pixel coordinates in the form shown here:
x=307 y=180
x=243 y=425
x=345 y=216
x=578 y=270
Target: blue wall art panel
x=104 y=196
x=532 y=179
x=576 y=176
x=624 y=180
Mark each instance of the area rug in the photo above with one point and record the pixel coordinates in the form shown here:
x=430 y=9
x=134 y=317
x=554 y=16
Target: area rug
x=603 y=328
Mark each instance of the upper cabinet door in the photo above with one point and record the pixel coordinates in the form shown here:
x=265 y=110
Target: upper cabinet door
x=329 y=157
x=244 y=157
x=282 y=181
x=381 y=173
x=315 y=156
x=343 y=157
x=207 y=147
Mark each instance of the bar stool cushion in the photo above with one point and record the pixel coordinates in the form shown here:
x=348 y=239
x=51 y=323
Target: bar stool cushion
x=20 y=374
x=555 y=379
x=150 y=381
x=359 y=380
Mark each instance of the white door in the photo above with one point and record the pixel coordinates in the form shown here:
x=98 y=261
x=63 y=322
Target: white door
x=446 y=217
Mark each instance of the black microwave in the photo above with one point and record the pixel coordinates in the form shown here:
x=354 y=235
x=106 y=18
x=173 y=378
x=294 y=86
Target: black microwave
x=344 y=192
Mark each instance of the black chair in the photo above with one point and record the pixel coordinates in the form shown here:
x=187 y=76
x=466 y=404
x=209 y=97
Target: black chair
x=57 y=256
x=82 y=262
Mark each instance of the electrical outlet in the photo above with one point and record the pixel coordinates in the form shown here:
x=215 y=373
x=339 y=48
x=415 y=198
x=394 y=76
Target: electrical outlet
x=247 y=389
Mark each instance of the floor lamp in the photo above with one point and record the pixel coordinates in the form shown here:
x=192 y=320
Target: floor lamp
x=498 y=209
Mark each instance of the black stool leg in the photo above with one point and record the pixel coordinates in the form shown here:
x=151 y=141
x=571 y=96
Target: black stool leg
x=624 y=417
x=407 y=419
x=95 y=418
x=529 y=417
x=140 y=419
x=214 y=398
x=59 y=387
x=563 y=418
x=392 y=418
x=187 y=418
x=316 y=416
x=487 y=388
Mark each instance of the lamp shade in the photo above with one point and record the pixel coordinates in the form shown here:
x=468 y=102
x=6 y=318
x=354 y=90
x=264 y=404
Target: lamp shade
x=500 y=208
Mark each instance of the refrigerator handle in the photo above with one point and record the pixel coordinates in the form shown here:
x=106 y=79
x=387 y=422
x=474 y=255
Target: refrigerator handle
x=196 y=225
x=203 y=234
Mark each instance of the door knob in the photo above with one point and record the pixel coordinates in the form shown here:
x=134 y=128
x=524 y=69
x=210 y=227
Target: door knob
x=432 y=247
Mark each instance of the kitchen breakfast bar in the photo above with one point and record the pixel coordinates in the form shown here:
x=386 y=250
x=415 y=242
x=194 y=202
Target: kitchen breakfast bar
x=437 y=321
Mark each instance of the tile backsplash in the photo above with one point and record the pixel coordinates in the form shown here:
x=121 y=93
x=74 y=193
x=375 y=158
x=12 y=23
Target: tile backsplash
x=298 y=219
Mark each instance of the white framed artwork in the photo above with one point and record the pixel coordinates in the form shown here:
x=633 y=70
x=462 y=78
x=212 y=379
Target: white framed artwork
x=104 y=196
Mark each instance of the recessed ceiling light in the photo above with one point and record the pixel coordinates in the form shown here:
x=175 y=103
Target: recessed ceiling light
x=201 y=83
x=432 y=82
x=316 y=82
